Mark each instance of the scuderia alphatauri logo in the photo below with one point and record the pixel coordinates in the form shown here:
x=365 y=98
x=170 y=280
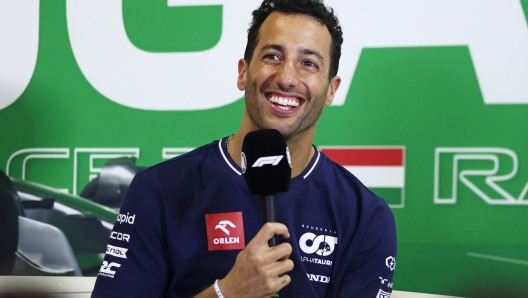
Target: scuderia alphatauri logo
x=320 y=244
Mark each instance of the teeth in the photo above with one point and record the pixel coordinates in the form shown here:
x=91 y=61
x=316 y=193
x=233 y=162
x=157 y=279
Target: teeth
x=284 y=101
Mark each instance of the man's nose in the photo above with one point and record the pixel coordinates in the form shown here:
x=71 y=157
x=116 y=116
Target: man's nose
x=287 y=75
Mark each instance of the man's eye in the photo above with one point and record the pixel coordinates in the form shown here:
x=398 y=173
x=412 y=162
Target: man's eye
x=310 y=64
x=271 y=57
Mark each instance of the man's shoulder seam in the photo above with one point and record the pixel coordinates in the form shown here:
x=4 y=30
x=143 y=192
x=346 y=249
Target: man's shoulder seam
x=180 y=158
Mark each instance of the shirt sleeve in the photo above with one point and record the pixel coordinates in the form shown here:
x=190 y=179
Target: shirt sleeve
x=372 y=269
x=136 y=261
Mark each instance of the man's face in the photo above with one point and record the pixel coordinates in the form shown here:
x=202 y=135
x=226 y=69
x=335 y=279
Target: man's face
x=286 y=82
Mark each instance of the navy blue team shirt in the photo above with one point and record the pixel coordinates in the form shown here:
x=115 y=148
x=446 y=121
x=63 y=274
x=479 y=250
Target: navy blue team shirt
x=184 y=221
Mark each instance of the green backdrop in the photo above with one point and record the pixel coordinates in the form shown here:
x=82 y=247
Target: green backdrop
x=421 y=98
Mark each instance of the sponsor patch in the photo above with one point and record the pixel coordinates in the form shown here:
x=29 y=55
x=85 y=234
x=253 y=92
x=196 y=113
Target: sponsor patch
x=106 y=269
x=225 y=231
x=316 y=261
x=120 y=236
x=383 y=294
x=116 y=251
x=390 y=262
x=318 y=278
x=126 y=218
x=322 y=245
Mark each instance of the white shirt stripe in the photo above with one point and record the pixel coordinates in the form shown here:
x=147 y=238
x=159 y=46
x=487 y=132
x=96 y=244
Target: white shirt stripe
x=315 y=163
x=225 y=158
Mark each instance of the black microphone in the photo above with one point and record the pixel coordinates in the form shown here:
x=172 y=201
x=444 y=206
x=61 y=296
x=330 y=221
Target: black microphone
x=266 y=166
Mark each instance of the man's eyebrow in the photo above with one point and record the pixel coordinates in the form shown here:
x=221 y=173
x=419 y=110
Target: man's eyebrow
x=306 y=51
x=302 y=50
x=272 y=46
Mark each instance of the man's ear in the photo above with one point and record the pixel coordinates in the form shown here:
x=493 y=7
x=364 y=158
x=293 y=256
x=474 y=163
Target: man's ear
x=242 y=73
x=332 y=89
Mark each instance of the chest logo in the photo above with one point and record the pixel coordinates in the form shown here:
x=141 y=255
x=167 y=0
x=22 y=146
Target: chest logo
x=225 y=231
x=223 y=224
x=322 y=245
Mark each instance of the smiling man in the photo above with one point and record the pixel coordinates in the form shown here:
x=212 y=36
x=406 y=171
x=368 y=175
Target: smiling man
x=288 y=79
x=197 y=229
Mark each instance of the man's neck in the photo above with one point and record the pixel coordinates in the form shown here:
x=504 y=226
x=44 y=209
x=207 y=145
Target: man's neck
x=300 y=146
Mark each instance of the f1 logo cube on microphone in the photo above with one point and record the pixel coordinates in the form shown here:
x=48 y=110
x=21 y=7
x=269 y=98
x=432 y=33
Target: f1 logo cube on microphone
x=270 y=172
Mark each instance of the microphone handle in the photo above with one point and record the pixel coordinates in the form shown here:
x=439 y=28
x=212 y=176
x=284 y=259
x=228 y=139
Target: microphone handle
x=269 y=213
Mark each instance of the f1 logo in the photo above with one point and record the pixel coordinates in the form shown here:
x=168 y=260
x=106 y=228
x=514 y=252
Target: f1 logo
x=267 y=160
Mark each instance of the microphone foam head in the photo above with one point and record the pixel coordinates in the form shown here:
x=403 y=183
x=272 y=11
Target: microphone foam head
x=266 y=162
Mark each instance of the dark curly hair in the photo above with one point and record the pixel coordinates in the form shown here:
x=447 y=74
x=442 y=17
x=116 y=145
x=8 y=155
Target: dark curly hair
x=311 y=8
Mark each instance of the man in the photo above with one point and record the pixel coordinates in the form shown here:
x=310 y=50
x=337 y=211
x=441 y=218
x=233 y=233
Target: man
x=189 y=226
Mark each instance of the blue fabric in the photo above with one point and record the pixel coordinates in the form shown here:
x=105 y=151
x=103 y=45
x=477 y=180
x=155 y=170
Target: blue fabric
x=168 y=253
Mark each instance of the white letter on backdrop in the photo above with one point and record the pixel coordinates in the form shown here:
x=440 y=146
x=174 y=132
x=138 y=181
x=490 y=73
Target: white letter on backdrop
x=19 y=34
x=496 y=33
x=157 y=81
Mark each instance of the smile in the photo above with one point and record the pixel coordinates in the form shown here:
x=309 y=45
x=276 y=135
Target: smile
x=284 y=103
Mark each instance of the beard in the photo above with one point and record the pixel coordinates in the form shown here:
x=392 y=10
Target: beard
x=305 y=118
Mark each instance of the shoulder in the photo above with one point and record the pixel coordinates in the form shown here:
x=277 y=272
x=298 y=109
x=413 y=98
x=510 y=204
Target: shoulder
x=352 y=196
x=183 y=163
x=178 y=171
x=340 y=178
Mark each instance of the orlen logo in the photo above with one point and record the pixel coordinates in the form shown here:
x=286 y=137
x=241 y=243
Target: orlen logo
x=267 y=160
x=116 y=251
x=223 y=224
x=323 y=245
x=225 y=231
x=106 y=269
x=126 y=218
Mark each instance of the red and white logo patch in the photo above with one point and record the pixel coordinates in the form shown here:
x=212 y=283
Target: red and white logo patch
x=225 y=231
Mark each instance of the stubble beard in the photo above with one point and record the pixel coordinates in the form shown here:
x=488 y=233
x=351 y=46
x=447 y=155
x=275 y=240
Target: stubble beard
x=305 y=120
